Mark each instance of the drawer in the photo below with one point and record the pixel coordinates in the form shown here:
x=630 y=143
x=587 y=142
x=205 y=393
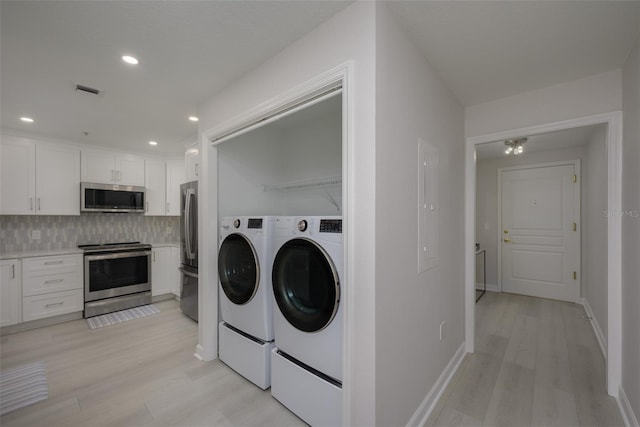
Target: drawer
x=48 y=305
x=52 y=282
x=49 y=264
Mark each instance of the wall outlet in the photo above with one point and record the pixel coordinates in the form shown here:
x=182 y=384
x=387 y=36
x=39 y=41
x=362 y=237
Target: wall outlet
x=442 y=330
x=35 y=235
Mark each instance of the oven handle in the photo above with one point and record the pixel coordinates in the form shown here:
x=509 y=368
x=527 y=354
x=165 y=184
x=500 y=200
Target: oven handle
x=117 y=255
x=188 y=273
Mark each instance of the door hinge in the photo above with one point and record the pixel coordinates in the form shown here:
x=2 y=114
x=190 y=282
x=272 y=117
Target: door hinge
x=575 y=227
x=575 y=178
x=575 y=275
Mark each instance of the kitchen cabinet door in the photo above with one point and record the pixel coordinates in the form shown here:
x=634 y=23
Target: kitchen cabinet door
x=160 y=270
x=17 y=177
x=155 y=192
x=98 y=167
x=10 y=292
x=57 y=180
x=129 y=170
x=192 y=164
x=175 y=177
x=174 y=272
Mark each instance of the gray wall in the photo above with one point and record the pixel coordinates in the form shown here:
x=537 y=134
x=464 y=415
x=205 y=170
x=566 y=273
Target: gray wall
x=412 y=103
x=631 y=230
x=594 y=283
x=62 y=232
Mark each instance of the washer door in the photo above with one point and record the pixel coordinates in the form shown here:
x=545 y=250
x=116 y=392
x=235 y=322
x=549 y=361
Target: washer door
x=238 y=269
x=306 y=286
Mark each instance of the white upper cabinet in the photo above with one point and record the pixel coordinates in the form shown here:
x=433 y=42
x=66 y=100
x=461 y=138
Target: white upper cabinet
x=155 y=194
x=57 y=180
x=175 y=177
x=111 y=168
x=39 y=178
x=18 y=177
x=192 y=163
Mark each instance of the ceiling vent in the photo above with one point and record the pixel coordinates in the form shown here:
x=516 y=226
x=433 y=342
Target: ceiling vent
x=88 y=89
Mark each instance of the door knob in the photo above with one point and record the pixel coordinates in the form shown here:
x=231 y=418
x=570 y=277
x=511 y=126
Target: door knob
x=507 y=240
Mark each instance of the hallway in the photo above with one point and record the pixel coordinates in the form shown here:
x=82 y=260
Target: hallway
x=537 y=363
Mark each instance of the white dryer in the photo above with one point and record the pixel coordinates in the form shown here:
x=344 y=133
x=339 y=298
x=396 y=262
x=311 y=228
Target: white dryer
x=244 y=267
x=308 y=290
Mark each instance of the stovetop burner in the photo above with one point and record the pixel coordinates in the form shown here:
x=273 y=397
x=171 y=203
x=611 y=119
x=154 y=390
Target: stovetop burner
x=114 y=246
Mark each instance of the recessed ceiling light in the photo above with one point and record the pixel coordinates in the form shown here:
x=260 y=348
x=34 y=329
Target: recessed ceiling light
x=193 y=118
x=153 y=143
x=26 y=119
x=130 y=60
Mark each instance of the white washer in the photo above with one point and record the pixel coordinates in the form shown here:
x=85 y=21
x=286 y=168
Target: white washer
x=308 y=317
x=244 y=268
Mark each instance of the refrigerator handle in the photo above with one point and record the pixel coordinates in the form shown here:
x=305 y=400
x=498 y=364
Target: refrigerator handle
x=188 y=228
x=188 y=273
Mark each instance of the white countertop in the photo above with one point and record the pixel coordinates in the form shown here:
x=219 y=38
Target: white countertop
x=43 y=252
x=66 y=251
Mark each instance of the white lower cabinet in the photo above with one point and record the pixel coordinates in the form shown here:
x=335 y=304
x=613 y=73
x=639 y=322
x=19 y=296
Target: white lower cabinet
x=165 y=276
x=175 y=271
x=54 y=304
x=51 y=285
x=10 y=292
x=160 y=280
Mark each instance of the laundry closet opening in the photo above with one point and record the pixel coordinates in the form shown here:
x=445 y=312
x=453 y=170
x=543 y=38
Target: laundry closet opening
x=281 y=255
x=291 y=166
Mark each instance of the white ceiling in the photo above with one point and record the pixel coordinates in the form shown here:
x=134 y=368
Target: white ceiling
x=557 y=140
x=189 y=50
x=486 y=50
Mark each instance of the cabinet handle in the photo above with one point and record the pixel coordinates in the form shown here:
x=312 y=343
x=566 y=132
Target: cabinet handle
x=53 y=304
x=30 y=203
x=38 y=203
x=147 y=209
x=13 y=271
x=49 y=282
x=168 y=208
x=195 y=169
x=113 y=175
x=118 y=175
x=53 y=262
x=154 y=256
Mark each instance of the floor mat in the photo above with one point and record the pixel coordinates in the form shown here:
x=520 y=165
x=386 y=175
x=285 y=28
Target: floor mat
x=121 y=316
x=23 y=386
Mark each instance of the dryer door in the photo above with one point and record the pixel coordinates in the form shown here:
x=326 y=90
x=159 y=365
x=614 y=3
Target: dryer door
x=238 y=269
x=306 y=286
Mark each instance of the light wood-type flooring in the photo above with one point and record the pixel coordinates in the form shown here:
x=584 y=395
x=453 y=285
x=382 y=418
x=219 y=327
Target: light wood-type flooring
x=137 y=373
x=537 y=363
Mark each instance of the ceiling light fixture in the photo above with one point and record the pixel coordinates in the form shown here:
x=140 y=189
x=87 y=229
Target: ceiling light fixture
x=515 y=146
x=26 y=119
x=153 y=143
x=130 y=60
x=193 y=118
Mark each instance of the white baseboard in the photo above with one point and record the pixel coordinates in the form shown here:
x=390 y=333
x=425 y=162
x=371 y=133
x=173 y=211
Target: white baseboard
x=596 y=327
x=491 y=287
x=629 y=417
x=423 y=412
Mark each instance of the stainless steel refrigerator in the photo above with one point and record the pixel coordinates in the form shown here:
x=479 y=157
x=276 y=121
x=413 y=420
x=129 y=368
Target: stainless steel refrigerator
x=189 y=252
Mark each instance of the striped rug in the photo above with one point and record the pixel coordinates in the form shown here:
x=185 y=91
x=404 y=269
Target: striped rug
x=121 y=316
x=23 y=386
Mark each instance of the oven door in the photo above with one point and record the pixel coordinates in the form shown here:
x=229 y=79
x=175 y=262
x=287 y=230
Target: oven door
x=117 y=273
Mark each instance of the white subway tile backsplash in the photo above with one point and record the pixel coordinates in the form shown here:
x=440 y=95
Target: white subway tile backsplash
x=61 y=232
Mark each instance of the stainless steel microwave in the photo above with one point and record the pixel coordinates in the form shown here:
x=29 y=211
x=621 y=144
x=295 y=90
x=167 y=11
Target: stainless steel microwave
x=111 y=198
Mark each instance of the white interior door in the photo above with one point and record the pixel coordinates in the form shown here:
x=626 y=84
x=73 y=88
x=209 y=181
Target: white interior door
x=539 y=245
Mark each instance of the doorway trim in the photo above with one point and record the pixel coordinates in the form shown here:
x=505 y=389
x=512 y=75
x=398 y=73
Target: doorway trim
x=613 y=120
x=343 y=74
x=577 y=203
